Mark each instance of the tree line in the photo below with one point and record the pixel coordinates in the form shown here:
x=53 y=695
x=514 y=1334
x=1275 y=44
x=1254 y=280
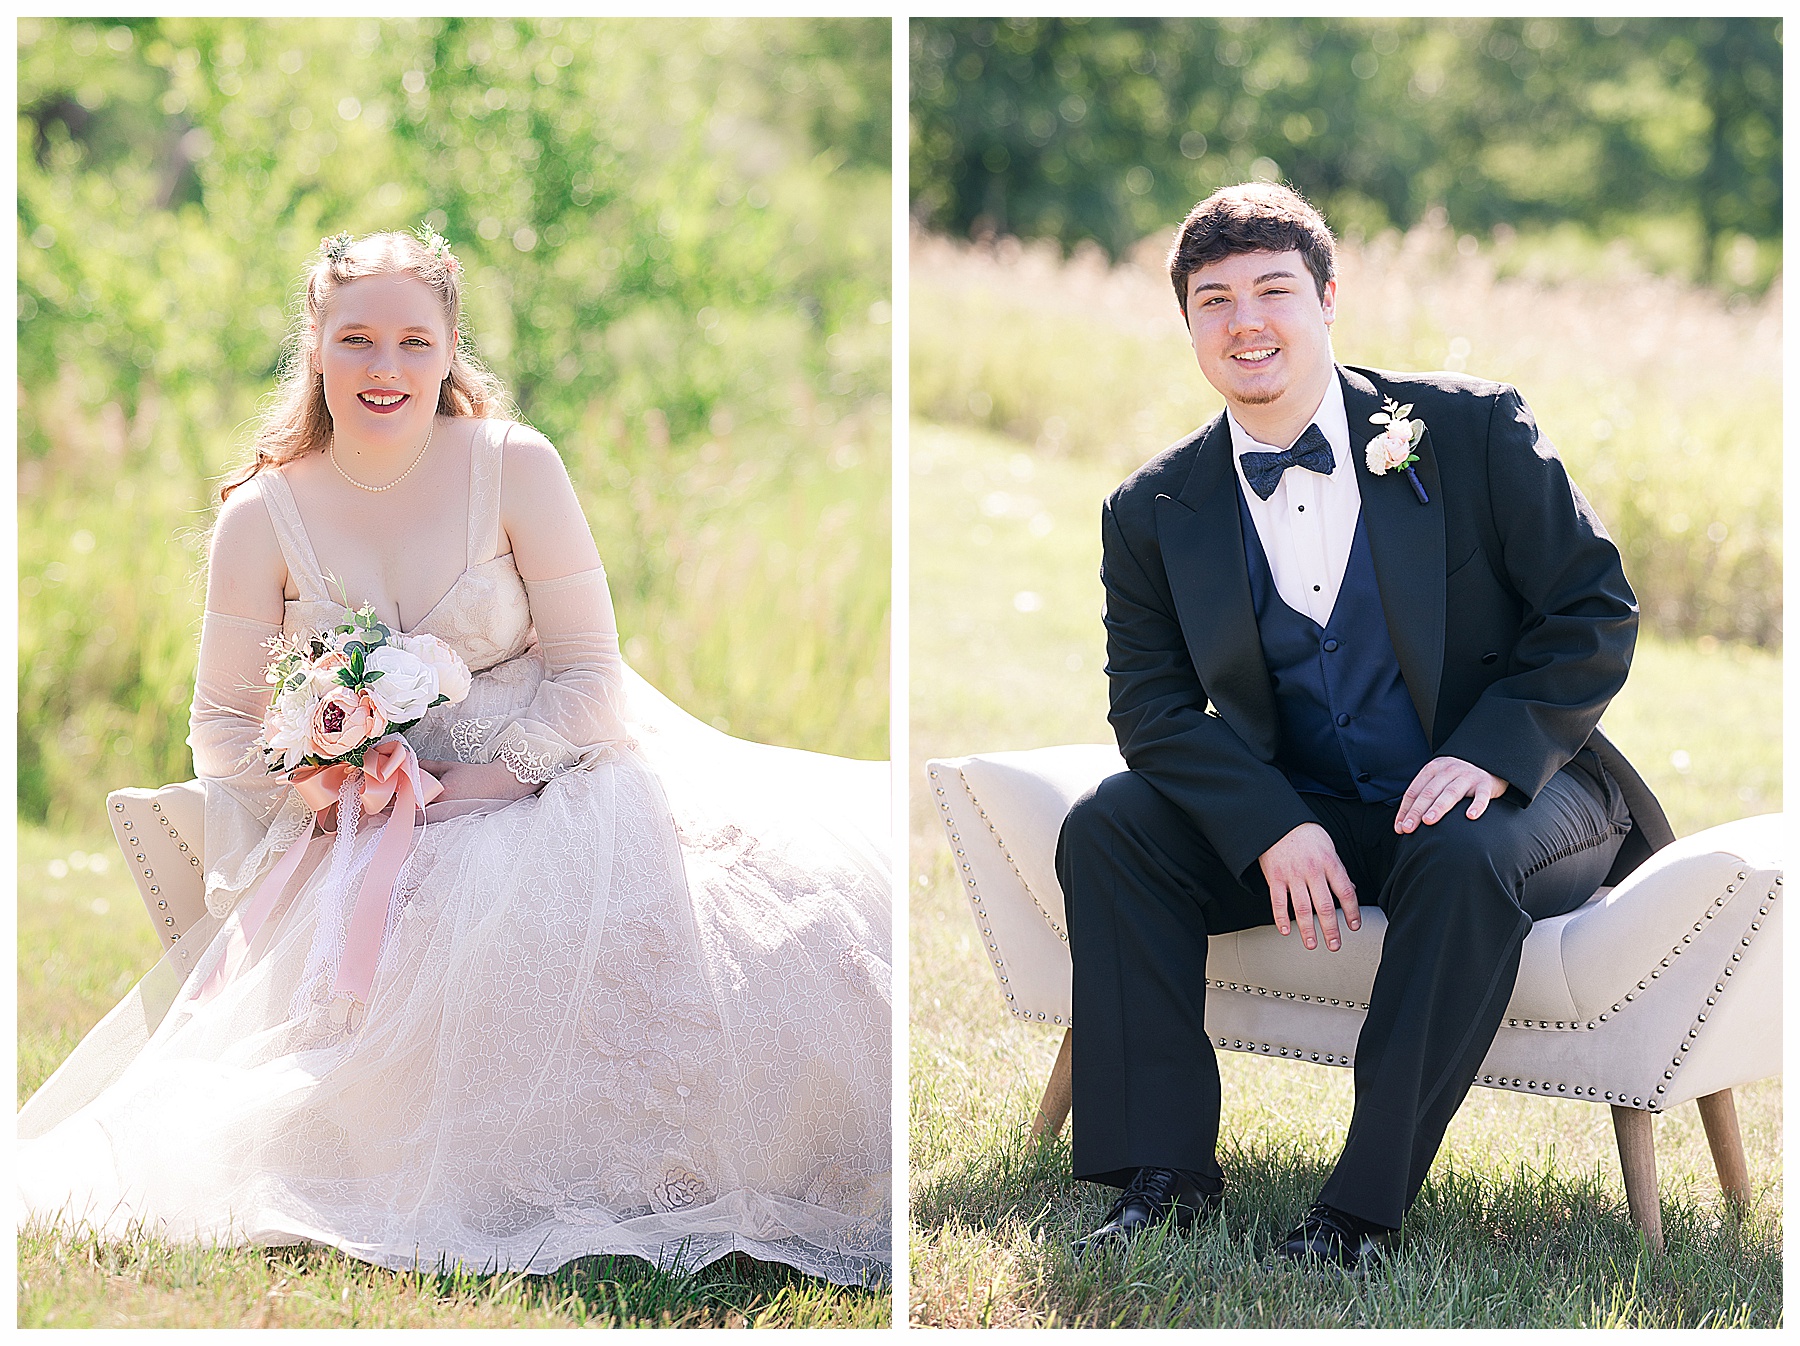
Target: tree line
x=1108 y=129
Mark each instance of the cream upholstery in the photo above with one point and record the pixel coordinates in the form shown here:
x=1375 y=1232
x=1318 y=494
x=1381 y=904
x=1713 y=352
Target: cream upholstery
x=161 y=833
x=1664 y=989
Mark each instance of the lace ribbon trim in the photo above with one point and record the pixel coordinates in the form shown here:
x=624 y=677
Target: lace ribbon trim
x=532 y=761
x=528 y=767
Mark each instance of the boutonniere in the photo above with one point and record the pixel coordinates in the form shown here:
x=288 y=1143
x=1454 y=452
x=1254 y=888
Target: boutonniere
x=1394 y=446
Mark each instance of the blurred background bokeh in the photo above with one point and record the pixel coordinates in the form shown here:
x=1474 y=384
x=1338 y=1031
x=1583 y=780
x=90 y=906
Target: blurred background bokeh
x=1662 y=132
x=677 y=240
x=1588 y=209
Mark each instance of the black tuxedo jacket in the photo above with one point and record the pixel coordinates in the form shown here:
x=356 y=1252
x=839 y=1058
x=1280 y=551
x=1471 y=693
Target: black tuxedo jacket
x=1505 y=600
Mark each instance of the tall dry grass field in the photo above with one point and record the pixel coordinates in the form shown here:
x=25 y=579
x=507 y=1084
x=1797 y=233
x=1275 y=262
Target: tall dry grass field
x=1664 y=399
x=1038 y=385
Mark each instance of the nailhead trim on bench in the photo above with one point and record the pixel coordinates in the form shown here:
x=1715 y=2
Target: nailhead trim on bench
x=125 y=824
x=1049 y=920
x=1553 y=1088
x=1655 y=972
x=1287 y=995
x=1520 y=1084
x=981 y=916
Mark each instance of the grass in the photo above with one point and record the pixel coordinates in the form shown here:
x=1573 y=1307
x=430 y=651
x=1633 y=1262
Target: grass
x=83 y=941
x=71 y=1279
x=1523 y=1220
x=1665 y=399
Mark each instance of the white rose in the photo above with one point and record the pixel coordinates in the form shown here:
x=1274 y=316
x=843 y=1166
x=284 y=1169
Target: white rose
x=452 y=673
x=406 y=687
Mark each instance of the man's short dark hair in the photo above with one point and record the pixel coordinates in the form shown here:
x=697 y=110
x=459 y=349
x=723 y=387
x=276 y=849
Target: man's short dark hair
x=1251 y=217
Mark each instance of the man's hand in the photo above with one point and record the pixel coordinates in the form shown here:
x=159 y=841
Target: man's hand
x=1303 y=869
x=483 y=780
x=1440 y=784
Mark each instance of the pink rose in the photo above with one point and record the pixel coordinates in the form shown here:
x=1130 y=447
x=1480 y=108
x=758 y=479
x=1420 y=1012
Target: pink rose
x=322 y=673
x=1389 y=450
x=343 y=721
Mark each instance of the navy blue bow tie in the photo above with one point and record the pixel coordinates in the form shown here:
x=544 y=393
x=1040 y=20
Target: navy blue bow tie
x=1311 y=451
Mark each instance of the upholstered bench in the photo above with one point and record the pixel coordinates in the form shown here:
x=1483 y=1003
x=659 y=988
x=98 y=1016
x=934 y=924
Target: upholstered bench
x=1664 y=989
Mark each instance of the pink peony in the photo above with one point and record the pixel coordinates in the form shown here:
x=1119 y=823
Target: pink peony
x=342 y=721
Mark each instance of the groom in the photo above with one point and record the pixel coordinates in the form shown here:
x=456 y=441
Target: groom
x=1342 y=674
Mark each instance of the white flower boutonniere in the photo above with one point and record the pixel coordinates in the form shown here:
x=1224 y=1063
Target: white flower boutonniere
x=1394 y=446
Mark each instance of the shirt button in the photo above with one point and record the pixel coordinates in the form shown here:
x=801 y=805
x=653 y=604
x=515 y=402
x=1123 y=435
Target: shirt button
x=1315 y=588
x=1343 y=720
x=1331 y=647
x=1363 y=779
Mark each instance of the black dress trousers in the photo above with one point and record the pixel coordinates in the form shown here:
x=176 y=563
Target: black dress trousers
x=1144 y=889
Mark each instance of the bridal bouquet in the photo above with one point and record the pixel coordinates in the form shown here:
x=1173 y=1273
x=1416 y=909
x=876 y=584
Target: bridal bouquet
x=333 y=726
x=338 y=694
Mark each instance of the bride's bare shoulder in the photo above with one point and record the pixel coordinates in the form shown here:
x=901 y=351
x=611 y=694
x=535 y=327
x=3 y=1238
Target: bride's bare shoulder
x=527 y=447
x=539 y=509
x=247 y=576
x=244 y=526
x=530 y=467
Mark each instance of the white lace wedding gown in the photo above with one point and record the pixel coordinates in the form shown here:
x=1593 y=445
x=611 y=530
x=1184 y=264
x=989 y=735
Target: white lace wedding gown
x=645 y=1011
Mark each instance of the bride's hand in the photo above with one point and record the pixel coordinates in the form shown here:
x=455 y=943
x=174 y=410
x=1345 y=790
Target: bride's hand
x=477 y=780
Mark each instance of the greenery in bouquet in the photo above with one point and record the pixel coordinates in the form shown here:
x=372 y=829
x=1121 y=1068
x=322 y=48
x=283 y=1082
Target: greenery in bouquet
x=339 y=693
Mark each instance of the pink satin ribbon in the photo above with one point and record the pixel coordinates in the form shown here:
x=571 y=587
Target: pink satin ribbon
x=390 y=773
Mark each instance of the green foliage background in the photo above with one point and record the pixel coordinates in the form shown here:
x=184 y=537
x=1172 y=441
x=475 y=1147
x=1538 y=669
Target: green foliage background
x=1666 y=130
x=677 y=238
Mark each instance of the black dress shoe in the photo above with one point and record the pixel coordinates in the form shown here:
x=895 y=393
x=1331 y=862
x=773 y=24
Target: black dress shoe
x=1338 y=1240
x=1154 y=1195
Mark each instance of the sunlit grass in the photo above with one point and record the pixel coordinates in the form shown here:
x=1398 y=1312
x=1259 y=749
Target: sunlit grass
x=68 y=1278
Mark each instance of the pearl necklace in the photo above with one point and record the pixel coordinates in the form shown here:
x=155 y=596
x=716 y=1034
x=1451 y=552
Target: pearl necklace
x=331 y=453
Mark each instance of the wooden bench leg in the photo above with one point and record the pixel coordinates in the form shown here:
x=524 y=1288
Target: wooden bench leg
x=1718 y=1114
x=1637 y=1159
x=1053 y=1109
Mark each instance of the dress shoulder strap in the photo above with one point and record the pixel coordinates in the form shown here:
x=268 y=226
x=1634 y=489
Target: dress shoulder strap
x=290 y=533
x=484 y=490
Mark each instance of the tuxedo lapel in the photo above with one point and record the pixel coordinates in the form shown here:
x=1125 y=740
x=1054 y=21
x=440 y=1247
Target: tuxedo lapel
x=1406 y=542
x=1202 y=544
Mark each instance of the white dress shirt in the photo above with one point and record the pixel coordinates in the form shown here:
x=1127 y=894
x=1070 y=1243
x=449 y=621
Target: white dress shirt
x=1307 y=526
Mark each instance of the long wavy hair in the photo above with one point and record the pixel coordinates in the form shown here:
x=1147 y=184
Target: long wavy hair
x=297 y=420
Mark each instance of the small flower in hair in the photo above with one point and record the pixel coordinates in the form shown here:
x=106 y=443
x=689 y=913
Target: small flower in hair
x=438 y=246
x=336 y=247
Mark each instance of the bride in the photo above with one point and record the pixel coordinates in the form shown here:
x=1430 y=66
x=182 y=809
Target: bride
x=633 y=993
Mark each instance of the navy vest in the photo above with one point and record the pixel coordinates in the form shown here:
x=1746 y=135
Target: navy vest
x=1348 y=726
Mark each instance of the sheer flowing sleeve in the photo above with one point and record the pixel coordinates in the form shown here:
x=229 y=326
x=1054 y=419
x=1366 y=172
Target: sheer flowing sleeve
x=226 y=715
x=250 y=814
x=577 y=717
